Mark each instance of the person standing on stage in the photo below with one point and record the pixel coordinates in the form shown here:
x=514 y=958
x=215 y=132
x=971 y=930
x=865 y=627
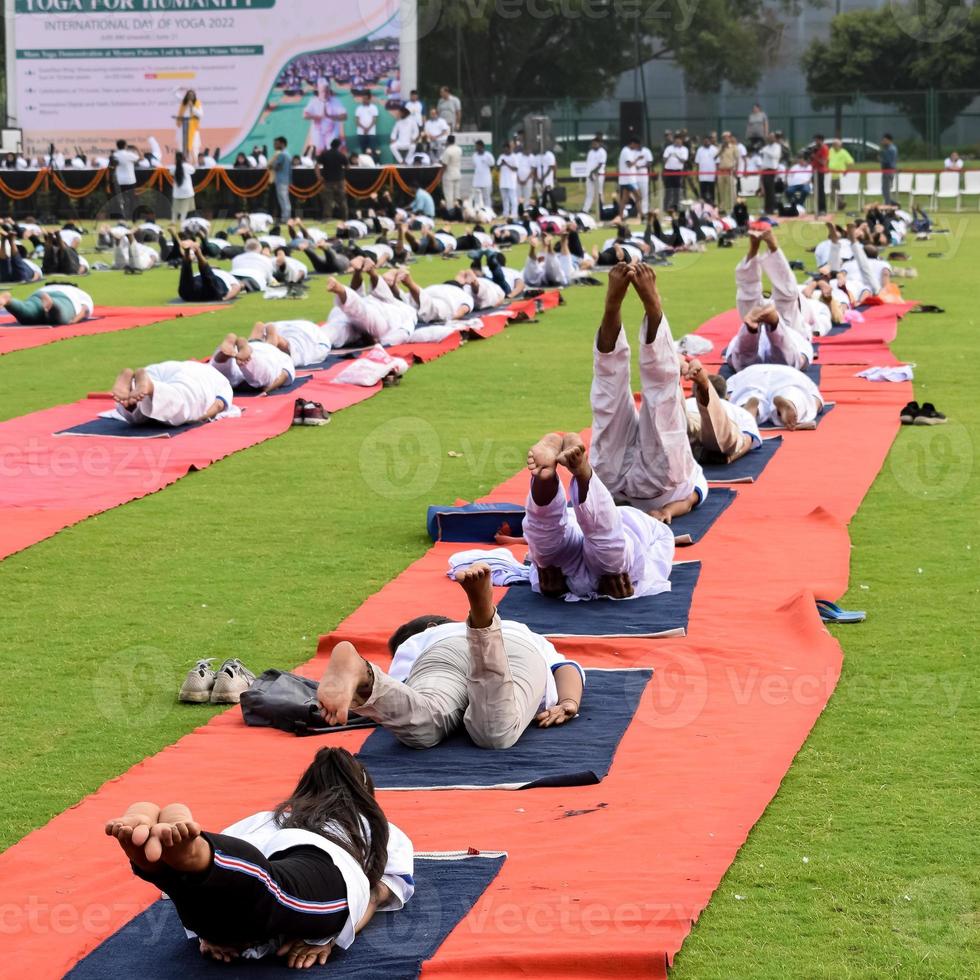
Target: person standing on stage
x=327 y=114
x=189 y=125
x=124 y=160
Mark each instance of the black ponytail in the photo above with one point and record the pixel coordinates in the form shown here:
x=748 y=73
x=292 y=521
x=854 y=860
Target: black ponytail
x=179 y=170
x=335 y=798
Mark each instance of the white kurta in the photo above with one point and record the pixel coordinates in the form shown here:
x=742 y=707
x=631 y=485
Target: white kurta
x=183 y=391
x=440 y=303
x=766 y=382
x=308 y=343
x=260 y=370
x=596 y=538
x=375 y=318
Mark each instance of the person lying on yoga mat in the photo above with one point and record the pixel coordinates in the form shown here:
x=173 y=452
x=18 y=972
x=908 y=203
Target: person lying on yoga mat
x=641 y=454
x=376 y=318
x=304 y=341
x=823 y=305
x=14 y=267
x=509 y=280
x=209 y=285
x=772 y=332
x=57 y=305
x=295 y=881
x=718 y=430
x=440 y=303
x=253 y=363
x=595 y=549
x=777 y=394
x=172 y=393
x=487 y=295
x=494 y=678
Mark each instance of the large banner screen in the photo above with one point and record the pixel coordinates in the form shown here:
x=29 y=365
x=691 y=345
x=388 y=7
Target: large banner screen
x=89 y=72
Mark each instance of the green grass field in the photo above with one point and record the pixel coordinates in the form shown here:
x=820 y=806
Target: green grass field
x=864 y=865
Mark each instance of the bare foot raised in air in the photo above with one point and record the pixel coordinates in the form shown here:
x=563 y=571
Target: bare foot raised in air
x=244 y=354
x=477 y=583
x=787 y=413
x=122 y=390
x=542 y=457
x=142 y=385
x=645 y=284
x=229 y=346
x=699 y=379
x=575 y=458
x=336 y=287
x=132 y=830
x=347 y=682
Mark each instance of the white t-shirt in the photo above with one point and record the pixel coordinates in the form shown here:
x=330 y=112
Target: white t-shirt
x=952 y=164
x=525 y=167
x=415 y=646
x=596 y=160
x=439 y=303
x=507 y=176
x=294 y=269
x=482 y=169
x=744 y=420
x=260 y=222
x=253 y=265
x=126 y=161
x=512 y=276
x=262 y=831
x=308 y=343
x=799 y=175
x=185 y=189
x=415 y=107
x=226 y=277
x=546 y=162
x=675 y=157
x=367 y=119
x=706 y=160
x=404 y=133
x=628 y=158
x=196 y=225
x=78 y=298
x=436 y=129
x=70 y=237
x=452 y=160
x=772 y=155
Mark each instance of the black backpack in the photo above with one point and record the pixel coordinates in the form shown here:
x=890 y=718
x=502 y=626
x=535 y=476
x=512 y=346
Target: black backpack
x=278 y=699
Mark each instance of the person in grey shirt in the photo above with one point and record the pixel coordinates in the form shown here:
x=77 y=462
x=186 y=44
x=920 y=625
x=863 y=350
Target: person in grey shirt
x=757 y=127
x=449 y=108
x=281 y=166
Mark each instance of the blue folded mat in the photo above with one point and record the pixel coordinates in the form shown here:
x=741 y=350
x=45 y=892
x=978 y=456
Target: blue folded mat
x=119 y=429
x=393 y=945
x=656 y=615
x=473 y=522
x=812 y=372
x=246 y=392
x=748 y=469
x=578 y=753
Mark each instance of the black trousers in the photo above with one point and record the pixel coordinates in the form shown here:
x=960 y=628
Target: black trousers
x=769 y=191
x=246 y=899
x=203 y=288
x=707 y=188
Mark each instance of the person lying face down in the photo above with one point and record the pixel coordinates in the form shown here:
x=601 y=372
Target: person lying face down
x=440 y=303
x=292 y=881
x=718 y=430
x=57 y=305
x=595 y=549
x=778 y=394
x=493 y=678
x=306 y=342
x=172 y=393
x=641 y=453
x=253 y=363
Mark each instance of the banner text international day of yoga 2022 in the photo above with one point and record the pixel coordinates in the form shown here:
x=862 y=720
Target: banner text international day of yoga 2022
x=85 y=73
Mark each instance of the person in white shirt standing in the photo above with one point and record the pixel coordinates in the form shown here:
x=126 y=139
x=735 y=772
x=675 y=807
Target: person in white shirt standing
x=415 y=108
x=482 y=176
x=404 y=136
x=595 y=178
x=183 y=199
x=644 y=165
x=548 y=176
x=436 y=131
x=491 y=678
x=706 y=160
x=525 y=176
x=452 y=163
x=675 y=161
x=366 y=117
x=772 y=157
x=507 y=181
x=125 y=158
x=628 y=159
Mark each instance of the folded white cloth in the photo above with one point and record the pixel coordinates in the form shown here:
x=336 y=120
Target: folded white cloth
x=505 y=569
x=903 y=372
x=371 y=367
x=694 y=346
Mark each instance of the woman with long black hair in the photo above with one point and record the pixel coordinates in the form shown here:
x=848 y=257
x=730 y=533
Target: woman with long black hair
x=293 y=881
x=183 y=189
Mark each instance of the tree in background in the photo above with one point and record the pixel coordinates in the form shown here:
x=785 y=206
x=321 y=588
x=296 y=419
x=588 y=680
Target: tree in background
x=896 y=53
x=528 y=50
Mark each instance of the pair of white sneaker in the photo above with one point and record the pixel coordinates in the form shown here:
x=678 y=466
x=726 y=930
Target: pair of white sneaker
x=225 y=686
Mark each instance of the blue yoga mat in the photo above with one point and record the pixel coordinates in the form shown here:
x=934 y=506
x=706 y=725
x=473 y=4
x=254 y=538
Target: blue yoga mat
x=473 y=522
x=694 y=525
x=824 y=412
x=119 y=429
x=748 y=469
x=246 y=392
x=578 y=753
x=393 y=945
x=655 y=615
x=812 y=372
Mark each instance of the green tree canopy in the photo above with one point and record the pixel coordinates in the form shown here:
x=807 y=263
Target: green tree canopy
x=897 y=52
x=532 y=49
